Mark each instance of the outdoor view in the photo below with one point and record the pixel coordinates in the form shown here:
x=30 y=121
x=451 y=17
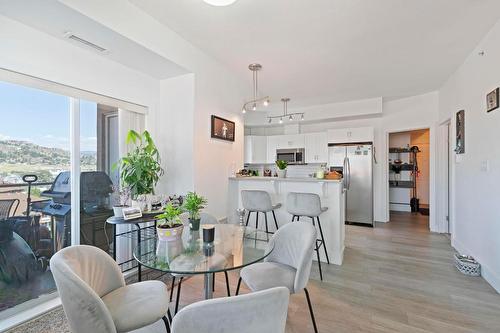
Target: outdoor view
x=34 y=140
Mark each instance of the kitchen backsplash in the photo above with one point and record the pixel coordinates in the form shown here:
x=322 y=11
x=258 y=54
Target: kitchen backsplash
x=293 y=171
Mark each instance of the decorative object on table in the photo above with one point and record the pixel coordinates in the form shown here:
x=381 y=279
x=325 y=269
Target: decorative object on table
x=241 y=215
x=255 y=68
x=121 y=197
x=460 y=136
x=333 y=175
x=320 y=173
x=140 y=169
x=268 y=173
x=222 y=129
x=467 y=265
x=281 y=168
x=193 y=204
x=169 y=226
x=286 y=115
x=492 y=100
x=131 y=213
x=208 y=233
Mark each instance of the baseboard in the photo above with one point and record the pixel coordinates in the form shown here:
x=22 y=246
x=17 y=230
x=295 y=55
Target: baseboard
x=487 y=274
x=29 y=314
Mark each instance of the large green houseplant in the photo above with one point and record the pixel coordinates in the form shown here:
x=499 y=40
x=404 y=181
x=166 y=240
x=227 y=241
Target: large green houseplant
x=140 y=169
x=193 y=204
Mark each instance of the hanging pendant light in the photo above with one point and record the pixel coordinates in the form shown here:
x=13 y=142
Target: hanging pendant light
x=255 y=68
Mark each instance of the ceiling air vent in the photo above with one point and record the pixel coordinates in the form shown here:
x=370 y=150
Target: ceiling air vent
x=85 y=42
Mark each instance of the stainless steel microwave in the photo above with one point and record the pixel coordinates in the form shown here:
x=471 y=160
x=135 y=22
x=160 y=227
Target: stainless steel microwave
x=292 y=156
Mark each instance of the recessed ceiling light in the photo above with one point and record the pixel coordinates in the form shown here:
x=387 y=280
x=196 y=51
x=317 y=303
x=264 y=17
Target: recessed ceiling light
x=220 y=3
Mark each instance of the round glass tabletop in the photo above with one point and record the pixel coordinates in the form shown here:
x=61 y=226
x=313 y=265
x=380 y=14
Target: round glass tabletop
x=234 y=247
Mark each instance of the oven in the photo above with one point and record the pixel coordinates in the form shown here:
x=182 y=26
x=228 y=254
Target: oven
x=292 y=156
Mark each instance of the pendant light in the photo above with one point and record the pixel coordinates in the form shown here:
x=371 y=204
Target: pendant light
x=285 y=114
x=255 y=68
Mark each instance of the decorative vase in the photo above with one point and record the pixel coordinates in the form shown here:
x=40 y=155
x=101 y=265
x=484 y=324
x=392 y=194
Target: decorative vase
x=281 y=173
x=169 y=234
x=194 y=224
x=118 y=210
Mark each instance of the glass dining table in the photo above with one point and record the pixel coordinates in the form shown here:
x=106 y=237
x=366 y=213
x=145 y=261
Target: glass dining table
x=234 y=247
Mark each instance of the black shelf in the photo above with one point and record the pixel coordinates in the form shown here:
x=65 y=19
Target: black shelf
x=402 y=150
x=401 y=184
x=404 y=166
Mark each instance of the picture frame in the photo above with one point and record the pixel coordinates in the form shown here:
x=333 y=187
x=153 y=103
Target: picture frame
x=222 y=129
x=460 y=135
x=492 y=100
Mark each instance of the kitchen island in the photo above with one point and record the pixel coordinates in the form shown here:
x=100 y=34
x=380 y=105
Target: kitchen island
x=330 y=191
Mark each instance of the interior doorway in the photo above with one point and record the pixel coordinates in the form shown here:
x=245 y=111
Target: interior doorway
x=409 y=173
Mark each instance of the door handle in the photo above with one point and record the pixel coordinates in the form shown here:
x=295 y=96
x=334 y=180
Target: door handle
x=349 y=173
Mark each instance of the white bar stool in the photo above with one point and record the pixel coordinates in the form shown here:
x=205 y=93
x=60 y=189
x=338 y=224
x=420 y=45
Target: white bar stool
x=256 y=201
x=309 y=205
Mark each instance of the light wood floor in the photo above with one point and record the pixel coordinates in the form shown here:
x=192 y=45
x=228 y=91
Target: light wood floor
x=397 y=277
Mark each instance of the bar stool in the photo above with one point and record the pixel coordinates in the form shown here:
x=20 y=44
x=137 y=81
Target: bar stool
x=256 y=201
x=309 y=205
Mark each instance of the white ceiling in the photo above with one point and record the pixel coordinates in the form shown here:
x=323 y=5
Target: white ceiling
x=54 y=18
x=320 y=51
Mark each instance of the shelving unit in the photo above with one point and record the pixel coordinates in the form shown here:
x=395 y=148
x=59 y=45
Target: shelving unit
x=410 y=166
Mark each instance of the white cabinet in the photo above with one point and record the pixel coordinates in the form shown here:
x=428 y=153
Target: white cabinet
x=349 y=135
x=291 y=141
x=272 y=145
x=316 y=145
x=255 y=149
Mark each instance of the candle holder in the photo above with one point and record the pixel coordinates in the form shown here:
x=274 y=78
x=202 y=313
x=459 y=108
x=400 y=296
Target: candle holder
x=208 y=233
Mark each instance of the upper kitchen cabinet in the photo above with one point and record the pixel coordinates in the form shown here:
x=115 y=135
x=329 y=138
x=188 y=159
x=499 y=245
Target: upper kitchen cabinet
x=255 y=149
x=316 y=145
x=272 y=145
x=291 y=141
x=348 y=135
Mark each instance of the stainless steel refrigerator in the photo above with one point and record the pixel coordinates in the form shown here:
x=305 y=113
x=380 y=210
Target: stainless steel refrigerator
x=356 y=163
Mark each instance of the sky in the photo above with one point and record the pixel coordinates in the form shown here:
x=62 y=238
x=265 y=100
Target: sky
x=43 y=118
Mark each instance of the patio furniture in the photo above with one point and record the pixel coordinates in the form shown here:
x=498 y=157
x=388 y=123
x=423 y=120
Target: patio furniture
x=6 y=206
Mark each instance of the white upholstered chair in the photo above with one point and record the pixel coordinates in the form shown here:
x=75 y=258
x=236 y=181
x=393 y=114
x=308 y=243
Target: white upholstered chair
x=262 y=312
x=94 y=295
x=288 y=265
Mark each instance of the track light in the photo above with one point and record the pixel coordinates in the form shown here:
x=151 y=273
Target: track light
x=269 y=120
x=290 y=118
x=254 y=107
x=266 y=102
x=243 y=110
x=302 y=117
x=281 y=120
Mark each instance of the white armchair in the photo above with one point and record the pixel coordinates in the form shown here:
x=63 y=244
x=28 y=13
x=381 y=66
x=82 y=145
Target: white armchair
x=263 y=312
x=94 y=295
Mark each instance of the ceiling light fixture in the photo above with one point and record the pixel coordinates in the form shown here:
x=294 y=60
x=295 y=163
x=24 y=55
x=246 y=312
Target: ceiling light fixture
x=255 y=68
x=220 y=3
x=285 y=114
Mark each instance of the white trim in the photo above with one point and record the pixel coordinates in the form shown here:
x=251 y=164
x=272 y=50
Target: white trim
x=74 y=138
x=29 y=314
x=67 y=90
x=443 y=179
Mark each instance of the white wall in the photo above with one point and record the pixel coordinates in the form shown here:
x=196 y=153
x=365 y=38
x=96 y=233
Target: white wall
x=475 y=214
x=404 y=114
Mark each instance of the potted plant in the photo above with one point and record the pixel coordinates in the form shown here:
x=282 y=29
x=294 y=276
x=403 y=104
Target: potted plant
x=121 y=198
x=169 y=226
x=140 y=169
x=281 y=165
x=193 y=204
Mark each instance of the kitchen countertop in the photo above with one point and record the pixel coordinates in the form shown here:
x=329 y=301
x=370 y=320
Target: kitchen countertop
x=309 y=179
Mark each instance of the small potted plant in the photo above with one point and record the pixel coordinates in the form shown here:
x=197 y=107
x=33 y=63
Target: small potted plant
x=121 y=198
x=193 y=204
x=281 y=171
x=169 y=226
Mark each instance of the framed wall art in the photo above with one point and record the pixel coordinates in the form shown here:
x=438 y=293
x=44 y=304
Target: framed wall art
x=492 y=100
x=222 y=129
x=460 y=136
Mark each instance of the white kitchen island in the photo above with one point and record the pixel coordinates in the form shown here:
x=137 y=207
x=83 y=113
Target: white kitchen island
x=331 y=194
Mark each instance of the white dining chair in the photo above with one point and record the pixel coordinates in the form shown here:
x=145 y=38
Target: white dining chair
x=288 y=264
x=205 y=219
x=94 y=295
x=262 y=312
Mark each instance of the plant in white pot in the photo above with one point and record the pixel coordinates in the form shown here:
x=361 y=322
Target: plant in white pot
x=193 y=204
x=281 y=168
x=169 y=226
x=121 y=198
x=140 y=169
